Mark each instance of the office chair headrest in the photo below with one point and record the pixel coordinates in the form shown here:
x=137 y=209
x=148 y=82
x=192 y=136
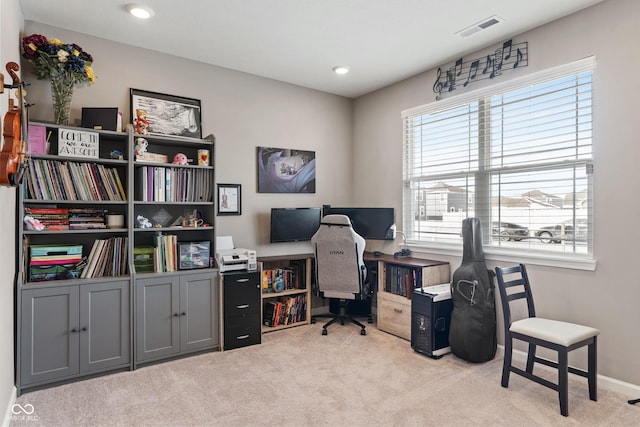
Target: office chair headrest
x=336 y=220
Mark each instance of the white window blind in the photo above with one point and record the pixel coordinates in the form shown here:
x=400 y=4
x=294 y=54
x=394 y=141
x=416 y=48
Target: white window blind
x=518 y=156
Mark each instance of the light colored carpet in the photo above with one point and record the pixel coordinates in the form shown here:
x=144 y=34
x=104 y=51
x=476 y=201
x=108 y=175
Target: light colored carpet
x=298 y=377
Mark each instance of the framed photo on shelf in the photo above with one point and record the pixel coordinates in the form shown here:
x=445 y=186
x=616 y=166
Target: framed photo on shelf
x=229 y=199
x=162 y=114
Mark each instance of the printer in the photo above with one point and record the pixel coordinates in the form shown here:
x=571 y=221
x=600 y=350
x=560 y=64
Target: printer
x=230 y=258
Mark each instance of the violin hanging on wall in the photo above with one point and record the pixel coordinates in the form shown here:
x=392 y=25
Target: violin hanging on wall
x=15 y=133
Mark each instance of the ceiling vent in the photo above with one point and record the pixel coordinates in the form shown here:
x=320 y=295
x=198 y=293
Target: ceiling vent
x=482 y=25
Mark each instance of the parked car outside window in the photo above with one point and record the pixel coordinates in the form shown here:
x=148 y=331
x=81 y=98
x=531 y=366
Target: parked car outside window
x=563 y=231
x=509 y=231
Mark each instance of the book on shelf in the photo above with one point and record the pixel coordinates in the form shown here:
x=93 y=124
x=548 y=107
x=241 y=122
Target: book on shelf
x=107 y=258
x=285 y=310
x=168 y=184
x=58 y=180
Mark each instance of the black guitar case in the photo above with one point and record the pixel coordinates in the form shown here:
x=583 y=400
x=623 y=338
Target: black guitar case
x=472 y=334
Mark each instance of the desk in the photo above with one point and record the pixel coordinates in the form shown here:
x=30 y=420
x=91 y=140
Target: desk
x=396 y=279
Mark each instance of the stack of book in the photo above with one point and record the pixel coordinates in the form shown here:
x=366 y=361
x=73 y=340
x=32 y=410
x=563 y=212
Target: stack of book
x=51 y=218
x=86 y=219
x=108 y=257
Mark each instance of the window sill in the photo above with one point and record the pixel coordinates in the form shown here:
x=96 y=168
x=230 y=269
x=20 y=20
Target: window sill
x=575 y=262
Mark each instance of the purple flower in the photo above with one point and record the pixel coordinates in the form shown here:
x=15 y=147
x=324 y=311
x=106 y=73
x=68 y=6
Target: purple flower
x=30 y=42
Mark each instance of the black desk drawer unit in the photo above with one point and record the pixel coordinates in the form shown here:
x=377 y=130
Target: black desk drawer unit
x=242 y=325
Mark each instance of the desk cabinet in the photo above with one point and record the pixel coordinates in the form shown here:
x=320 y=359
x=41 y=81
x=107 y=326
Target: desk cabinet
x=397 y=277
x=70 y=331
x=241 y=309
x=176 y=314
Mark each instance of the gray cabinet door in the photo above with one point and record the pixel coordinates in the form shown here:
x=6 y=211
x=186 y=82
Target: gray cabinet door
x=104 y=326
x=50 y=334
x=157 y=317
x=199 y=327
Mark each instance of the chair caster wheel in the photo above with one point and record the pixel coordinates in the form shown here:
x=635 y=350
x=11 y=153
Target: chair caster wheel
x=324 y=332
x=313 y=321
x=363 y=332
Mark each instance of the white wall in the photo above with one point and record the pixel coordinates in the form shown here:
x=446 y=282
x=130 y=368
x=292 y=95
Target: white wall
x=10 y=26
x=609 y=297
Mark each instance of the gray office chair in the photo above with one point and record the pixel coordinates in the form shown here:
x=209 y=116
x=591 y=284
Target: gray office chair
x=340 y=270
x=562 y=337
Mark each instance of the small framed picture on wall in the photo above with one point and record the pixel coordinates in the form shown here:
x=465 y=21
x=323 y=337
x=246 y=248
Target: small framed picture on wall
x=229 y=199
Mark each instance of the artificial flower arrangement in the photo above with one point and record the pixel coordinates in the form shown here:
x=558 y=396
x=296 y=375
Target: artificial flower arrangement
x=54 y=59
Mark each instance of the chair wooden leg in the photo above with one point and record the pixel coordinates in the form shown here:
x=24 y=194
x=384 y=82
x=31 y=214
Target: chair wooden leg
x=531 y=357
x=593 y=369
x=506 y=363
x=563 y=382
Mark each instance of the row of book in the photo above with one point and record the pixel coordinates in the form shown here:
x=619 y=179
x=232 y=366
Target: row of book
x=108 y=257
x=285 y=278
x=58 y=180
x=402 y=280
x=163 y=184
x=285 y=310
x=165 y=253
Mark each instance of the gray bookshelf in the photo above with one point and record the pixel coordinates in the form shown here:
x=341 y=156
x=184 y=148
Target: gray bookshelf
x=69 y=326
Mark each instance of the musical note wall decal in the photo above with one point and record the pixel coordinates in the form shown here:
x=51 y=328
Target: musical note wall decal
x=486 y=67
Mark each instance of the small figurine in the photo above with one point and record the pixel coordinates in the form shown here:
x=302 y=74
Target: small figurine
x=116 y=154
x=180 y=159
x=140 y=123
x=141 y=146
x=143 y=222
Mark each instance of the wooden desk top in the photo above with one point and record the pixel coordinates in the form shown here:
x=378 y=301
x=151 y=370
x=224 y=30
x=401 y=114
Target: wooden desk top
x=408 y=261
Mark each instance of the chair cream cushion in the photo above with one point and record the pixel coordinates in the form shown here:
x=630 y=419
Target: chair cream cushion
x=554 y=331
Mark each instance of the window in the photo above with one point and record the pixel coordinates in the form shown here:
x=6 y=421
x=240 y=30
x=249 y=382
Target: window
x=516 y=155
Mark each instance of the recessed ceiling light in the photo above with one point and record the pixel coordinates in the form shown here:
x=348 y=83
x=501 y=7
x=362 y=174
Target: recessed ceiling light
x=340 y=69
x=140 y=11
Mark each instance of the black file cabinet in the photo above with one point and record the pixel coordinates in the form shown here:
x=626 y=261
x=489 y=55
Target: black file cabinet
x=430 y=320
x=241 y=309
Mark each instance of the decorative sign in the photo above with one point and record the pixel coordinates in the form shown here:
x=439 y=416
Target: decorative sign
x=509 y=57
x=78 y=143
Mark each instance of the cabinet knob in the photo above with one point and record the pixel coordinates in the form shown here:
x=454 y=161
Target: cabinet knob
x=84 y=329
x=183 y=314
x=74 y=330
x=242 y=280
x=242 y=306
x=242 y=337
x=176 y=315
x=397 y=310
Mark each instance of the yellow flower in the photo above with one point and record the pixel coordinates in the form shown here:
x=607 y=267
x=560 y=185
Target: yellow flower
x=75 y=52
x=33 y=47
x=90 y=75
x=55 y=41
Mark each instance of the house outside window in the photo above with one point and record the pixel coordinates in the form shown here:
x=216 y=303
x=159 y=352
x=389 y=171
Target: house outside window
x=516 y=155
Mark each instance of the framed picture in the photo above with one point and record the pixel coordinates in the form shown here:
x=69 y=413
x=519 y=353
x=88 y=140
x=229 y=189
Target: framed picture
x=285 y=170
x=161 y=114
x=229 y=199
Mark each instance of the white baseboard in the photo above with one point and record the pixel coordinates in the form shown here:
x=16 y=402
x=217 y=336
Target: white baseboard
x=8 y=414
x=628 y=389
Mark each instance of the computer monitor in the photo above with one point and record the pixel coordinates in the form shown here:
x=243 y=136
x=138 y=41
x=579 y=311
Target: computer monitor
x=370 y=223
x=294 y=224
